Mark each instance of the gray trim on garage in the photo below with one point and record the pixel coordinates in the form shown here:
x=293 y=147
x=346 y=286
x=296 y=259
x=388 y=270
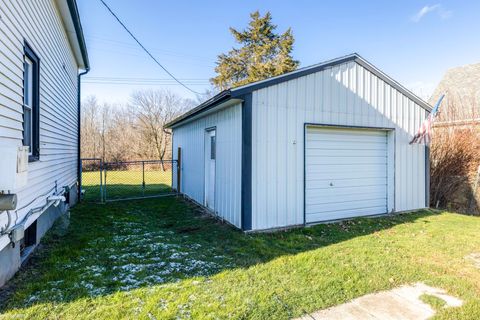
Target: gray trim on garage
x=247 y=162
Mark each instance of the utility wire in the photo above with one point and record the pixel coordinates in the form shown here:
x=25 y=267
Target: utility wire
x=147 y=81
x=154 y=50
x=145 y=49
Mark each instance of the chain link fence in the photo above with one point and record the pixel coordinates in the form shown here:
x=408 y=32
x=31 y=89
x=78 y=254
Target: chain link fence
x=91 y=180
x=110 y=181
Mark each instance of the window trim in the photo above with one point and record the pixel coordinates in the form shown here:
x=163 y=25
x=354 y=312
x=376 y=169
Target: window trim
x=35 y=103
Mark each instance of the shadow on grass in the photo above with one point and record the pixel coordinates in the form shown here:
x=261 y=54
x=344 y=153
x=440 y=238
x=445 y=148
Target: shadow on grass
x=122 y=246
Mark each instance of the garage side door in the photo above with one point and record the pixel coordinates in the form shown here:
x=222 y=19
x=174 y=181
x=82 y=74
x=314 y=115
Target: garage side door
x=345 y=173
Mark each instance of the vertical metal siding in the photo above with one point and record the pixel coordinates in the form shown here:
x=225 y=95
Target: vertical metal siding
x=191 y=137
x=344 y=95
x=40 y=24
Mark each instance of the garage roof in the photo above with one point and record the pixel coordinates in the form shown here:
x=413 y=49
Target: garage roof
x=238 y=92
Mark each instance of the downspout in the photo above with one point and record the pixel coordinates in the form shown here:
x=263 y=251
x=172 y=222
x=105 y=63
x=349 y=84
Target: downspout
x=79 y=162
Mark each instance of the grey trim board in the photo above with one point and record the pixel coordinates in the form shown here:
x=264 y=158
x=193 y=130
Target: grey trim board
x=246 y=206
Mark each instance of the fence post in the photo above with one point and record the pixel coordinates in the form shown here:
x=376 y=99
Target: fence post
x=143 y=178
x=101 y=180
x=179 y=169
x=105 y=184
x=80 y=181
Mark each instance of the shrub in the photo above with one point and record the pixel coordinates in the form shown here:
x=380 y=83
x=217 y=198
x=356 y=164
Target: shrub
x=455 y=157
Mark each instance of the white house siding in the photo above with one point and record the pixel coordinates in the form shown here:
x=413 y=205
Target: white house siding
x=39 y=23
x=191 y=138
x=345 y=95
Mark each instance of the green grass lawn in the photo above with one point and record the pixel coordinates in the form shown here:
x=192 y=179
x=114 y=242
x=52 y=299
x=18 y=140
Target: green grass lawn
x=123 y=184
x=163 y=259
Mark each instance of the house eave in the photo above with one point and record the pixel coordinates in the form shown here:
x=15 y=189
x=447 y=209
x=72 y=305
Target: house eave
x=71 y=20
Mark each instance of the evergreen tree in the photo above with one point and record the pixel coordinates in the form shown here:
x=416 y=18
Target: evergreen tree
x=263 y=54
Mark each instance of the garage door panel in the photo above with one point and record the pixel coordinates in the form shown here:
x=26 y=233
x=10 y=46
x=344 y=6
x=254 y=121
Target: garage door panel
x=345 y=183
x=355 y=167
x=346 y=198
x=336 y=179
x=347 y=205
x=353 y=145
x=348 y=161
x=345 y=132
x=346 y=152
x=311 y=197
x=378 y=173
x=345 y=173
x=335 y=215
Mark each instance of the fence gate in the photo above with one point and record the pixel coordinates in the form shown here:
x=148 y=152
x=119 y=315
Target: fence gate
x=91 y=180
x=123 y=180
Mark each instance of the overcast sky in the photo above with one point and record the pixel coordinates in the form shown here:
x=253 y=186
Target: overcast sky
x=414 y=42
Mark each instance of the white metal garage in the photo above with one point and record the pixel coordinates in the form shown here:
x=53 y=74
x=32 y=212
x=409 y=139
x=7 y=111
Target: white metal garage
x=322 y=143
x=345 y=173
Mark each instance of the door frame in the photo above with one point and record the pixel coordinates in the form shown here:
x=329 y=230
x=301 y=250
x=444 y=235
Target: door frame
x=207 y=132
x=391 y=155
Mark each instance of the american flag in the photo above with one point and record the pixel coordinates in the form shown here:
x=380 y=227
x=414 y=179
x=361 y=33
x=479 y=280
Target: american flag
x=424 y=132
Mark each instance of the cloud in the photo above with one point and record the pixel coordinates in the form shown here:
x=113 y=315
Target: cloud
x=437 y=8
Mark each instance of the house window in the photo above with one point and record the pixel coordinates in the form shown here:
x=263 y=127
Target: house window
x=31 y=99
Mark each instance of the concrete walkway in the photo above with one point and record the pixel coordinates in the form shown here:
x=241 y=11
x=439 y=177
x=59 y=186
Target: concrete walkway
x=399 y=303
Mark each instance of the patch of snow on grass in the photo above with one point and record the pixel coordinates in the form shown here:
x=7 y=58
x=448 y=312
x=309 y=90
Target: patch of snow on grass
x=135 y=257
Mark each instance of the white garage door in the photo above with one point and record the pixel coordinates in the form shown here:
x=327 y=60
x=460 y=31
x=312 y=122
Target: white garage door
x=345 y=174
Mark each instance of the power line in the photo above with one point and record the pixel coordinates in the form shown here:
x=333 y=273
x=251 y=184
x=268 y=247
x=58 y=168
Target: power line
x=142 y=84
x=145 y=49
x=141 y=79
x=192 y=83
x=154 y=50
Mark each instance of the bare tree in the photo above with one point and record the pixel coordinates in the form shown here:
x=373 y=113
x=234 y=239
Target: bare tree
x=90 y=142
x=153 y=109
x=135 y=131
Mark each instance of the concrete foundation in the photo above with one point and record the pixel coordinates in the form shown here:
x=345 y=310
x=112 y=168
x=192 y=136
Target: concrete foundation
x=10 y=259
x=10 y=262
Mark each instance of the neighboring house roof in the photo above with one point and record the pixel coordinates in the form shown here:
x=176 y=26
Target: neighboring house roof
x=238 y=92
x=71 y=20
x=461 y=86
